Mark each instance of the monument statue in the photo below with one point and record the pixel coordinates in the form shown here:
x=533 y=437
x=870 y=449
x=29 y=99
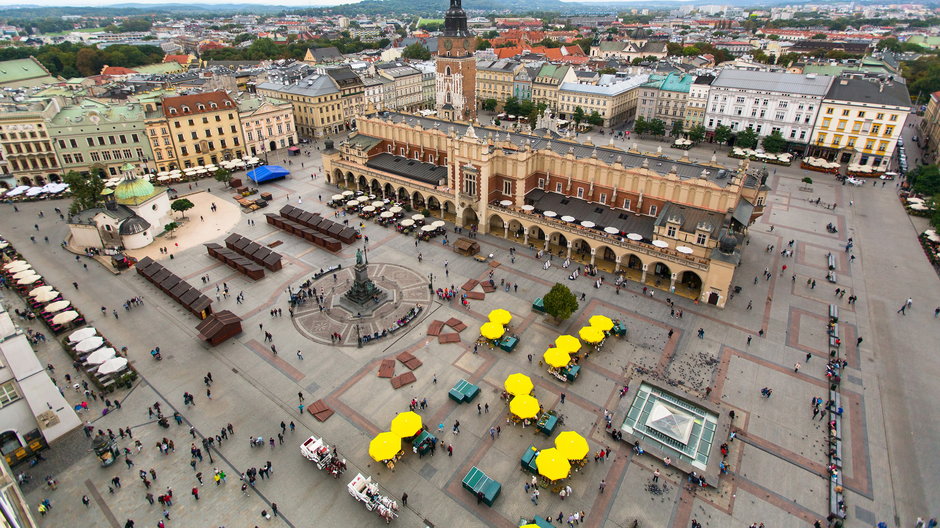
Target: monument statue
x=359 y=257
x=363 y=297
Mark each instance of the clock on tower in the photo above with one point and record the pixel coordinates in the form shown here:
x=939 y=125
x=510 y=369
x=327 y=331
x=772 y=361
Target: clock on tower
x=456 y=67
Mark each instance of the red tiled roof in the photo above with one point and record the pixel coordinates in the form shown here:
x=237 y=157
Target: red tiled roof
x=196 y=104
x=117 y=70
x=180 y=59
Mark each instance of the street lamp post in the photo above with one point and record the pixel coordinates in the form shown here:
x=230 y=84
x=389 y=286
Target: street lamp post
x=263 y=150
x=358 y=338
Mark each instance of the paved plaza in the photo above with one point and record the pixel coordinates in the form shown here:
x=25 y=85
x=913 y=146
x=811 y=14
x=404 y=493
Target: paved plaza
x=778 y=460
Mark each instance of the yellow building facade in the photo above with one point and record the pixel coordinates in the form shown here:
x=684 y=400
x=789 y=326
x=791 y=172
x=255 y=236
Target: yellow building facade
x=205 y=128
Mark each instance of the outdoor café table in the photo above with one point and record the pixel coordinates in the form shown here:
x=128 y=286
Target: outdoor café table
x=528 y=460
x=420 y=439
x=619 y=329
x=509 y=343
x=538 y=305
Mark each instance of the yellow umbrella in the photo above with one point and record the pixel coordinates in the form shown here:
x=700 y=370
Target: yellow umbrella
x=524 y=406
x=556 y=357
x=572 y=445
x=602 y=322
x=591 y=334
x=500 y=316
x=492 y=330
x=552 y=464
x=568 y=343
x=406 y=424
x=384 y=446
x=518 y=384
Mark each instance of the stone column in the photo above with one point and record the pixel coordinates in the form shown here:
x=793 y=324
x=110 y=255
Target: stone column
x=672 y=282
x=570 y=245
x=617 y=264
x=506 y=230
x=546 y=243
x=643 y=277
x=593 y=255
x=525 y=239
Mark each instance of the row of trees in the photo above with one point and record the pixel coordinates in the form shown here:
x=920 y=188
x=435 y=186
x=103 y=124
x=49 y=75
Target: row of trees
x=925 y=180
x=76 y=60
x=266 y=49
x=746 y=138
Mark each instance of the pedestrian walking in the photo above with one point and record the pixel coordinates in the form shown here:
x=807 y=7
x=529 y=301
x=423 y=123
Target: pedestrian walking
x=602 y=486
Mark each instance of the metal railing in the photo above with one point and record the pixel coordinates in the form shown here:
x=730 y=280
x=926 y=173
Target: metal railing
x=637 y=247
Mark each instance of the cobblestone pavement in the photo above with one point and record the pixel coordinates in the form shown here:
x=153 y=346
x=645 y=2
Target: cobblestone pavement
x=778 y=462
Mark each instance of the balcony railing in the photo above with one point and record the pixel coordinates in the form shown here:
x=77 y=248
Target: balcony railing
x=630 y=245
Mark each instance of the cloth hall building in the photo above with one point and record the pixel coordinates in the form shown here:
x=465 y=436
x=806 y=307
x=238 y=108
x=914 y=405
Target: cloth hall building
x=670 y=224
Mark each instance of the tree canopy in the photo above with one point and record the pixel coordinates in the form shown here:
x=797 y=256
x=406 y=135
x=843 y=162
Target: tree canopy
x=76 y=60
x=722 y=134
x=925 y=180
x=182 y=205
x=86 y=190
x=560 y=303
x=746 y=138
x=774 y=142
x=416 y=51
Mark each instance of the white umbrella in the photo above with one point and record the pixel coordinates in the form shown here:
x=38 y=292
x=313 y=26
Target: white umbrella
x=9 y=265
x=550 y=214
x=100 y=356
x=387 y=214
x=29 y=280
x=395 y=209
x=112 y=365
x=362 y=199
x=23 y=274
x=368 y=209
x=505 y=203
x=611 y=230
x=19 y=268
x=163 y=173
x=352 y=203
x=660 y=244
x=80 y=335
x=42 y=289
x=684 y=249
x=57 y=306
x=336 y=197
x=528 y=207
x=65 y=317
x=438 y=223
x=254 y=160
x=163 y=178
x=46 y=296
x=588 y=223
x=88 y=344
x=407 y=222
x=635 y=236
x=428 y=228
x=417 y=217
x=567 y=218
x=348 y=193
x=211 y=168
x=378 y=203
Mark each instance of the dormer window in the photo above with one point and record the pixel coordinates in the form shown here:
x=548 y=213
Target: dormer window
x=172 y=110
x=671 y=231
x=185 y=108
x=213 y=105
x=201 y=106
x=228 y=103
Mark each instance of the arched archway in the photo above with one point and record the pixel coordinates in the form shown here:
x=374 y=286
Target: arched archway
x=449 y=211
x=516 y=231
x=363 y=183
x=605 y=258
x=659 y=275
x=496 y=225
x=389 y=191
x=557 y=243
x=375 y=187
x=536 y=237
x=26 y=180
x=40 y=181
x=337 y=177
x=581 y=250
x=433 y=205
x=55 y=178
x=417 y=201
x=689 y=284
x=403 y=195
x=272 y=146
x=350 y=181
x=470 y=219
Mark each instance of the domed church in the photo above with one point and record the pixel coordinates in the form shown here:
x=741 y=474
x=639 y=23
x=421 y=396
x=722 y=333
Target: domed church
x=134 y=213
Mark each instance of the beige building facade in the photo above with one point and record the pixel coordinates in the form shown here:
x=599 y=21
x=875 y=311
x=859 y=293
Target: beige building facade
x=28 y=152
x=688 y=222
x=267 y=124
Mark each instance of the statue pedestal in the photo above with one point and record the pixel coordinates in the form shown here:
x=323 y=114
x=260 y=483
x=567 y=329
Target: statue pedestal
x=364 y=296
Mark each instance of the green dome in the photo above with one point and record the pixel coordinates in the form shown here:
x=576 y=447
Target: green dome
x=133 y=188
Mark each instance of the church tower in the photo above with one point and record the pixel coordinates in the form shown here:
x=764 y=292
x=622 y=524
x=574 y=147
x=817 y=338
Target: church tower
x=456 y=67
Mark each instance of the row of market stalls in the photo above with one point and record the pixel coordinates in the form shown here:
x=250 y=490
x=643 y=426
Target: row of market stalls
x=44 y=301
x=758 y=155
x=387 y=213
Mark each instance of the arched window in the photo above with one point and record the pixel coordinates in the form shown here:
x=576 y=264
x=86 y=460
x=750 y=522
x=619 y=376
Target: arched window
x=9 y=442
x=447 y=71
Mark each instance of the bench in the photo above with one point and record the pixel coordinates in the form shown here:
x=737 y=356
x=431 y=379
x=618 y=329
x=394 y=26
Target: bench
x=320 y=411
x=469 y=285
x=451 y=337
x=404 y=379
x=476 y=296
x=488 y=287
x=434 y=329
x=833 y=313
x=481 y=486
x=387 y=368
x=409 y=360
x=456 y=324
x=834 y=340
x=831 y=261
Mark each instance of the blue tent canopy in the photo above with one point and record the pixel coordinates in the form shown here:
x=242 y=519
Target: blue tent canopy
x=267 y=173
